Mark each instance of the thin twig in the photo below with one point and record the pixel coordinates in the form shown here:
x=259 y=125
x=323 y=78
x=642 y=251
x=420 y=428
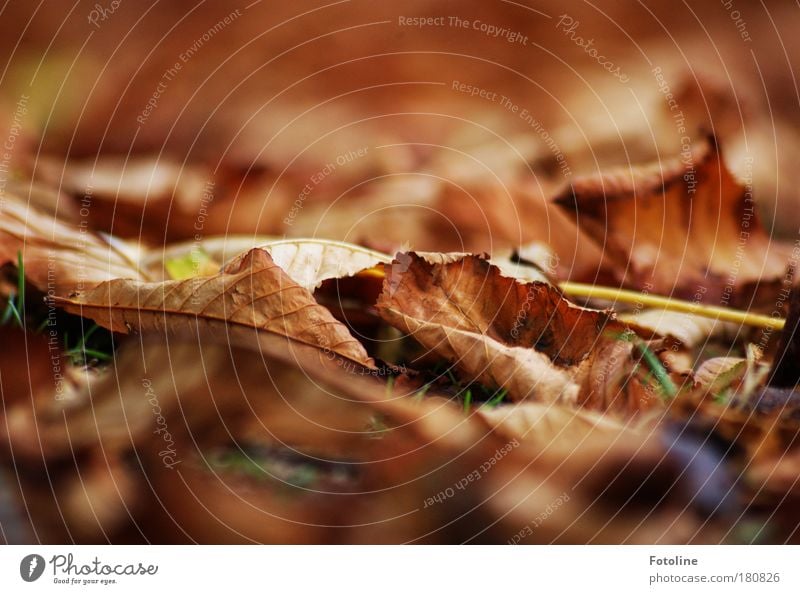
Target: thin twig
x=724 y=314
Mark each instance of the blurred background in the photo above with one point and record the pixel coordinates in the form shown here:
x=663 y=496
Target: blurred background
x=453 y=123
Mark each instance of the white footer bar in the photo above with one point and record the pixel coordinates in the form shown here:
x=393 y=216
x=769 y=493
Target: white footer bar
x=401 y=570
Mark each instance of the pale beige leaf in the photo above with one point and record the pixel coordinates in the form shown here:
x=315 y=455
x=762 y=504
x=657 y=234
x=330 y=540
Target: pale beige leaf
x=549 y=425
x=252 y=292
x=733 y=377
x=689 y=329
x=309 y=262
x=720 y=372
x=219 y=248
x=62 y=257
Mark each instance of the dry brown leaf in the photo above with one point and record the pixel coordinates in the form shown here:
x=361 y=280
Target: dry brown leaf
x=98 y=499
x=201 y=385
x=159 y=199
x=612 y=381
x=61 y=257
x=773 y=479
x=218 y=505
x=431 y=447
x=731 y=398
x=252 y=292
x=28 y=371
x=465 y=482
x=684 y=227
x=137 y=180
x=521 y=336
x=45 y=198
x=495 y=216
x=148 y=198
x=172 y=403
x=400 y=210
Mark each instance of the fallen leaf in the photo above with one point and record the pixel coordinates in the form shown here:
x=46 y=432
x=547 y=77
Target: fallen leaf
x=467 y=482
x=196 y=263
x=158 y=199
x=550 y=425
x=142 y=197
x=219 y=248
x=721 y=373
x=687 y=329
x=733 y=379
x=494 y=216
x=617 y=380
x=61 y=257
x=309 y=262
x=252 y=292
x=153 y=404
x=683 y=227
x=521 y=336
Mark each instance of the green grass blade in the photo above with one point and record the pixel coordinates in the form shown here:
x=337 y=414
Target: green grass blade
x=497 y=398
x=467 y=400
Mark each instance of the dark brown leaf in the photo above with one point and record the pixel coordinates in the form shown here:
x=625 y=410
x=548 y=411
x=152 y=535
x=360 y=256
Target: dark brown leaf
x=521 y=336
x=684 y=227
